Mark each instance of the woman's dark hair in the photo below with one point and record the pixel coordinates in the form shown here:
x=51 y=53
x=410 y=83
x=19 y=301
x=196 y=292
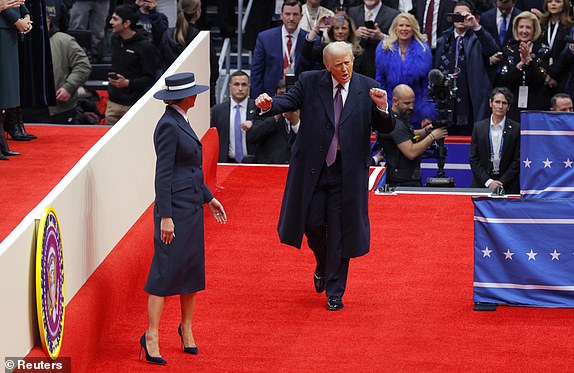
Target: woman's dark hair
x=352 y=38
x=128 y=12
x=503 y=91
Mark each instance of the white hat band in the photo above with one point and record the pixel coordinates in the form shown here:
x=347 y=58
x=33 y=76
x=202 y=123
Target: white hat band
x=179 y=87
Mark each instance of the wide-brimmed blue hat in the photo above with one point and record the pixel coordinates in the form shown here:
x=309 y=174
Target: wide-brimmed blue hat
x=180 y=86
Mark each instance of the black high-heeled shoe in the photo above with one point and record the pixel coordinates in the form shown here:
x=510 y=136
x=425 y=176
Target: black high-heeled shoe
x=150 y=359
x=187 y=350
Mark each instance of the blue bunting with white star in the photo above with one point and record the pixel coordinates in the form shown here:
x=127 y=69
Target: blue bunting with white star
x=547 y=155
x=524 y=252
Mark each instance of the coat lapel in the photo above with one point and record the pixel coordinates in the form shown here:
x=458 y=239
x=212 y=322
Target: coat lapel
x=184 y=125
x=353 y=97
x=326 y=95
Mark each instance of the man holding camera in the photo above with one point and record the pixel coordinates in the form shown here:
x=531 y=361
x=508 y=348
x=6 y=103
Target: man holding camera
x=464 y=51
x=404 y=146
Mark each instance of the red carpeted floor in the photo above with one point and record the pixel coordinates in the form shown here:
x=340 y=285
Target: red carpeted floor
x=408 y=305
x=29 y=177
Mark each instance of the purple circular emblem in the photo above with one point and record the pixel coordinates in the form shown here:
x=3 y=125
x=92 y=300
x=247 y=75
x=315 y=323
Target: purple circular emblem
x=50 y=283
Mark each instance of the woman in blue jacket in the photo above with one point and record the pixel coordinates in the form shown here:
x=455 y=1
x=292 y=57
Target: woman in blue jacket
x=177 y=266
x=405 y=58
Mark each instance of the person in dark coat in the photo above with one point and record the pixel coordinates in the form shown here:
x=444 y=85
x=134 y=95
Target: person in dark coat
x=326 y=195
x=37 y=88
x=526 y=64
x=233 y=119
x=465 y=49
x=178 y=264
x=494 y=153
x=13 y=21
x=382 y=16
x=274 y=136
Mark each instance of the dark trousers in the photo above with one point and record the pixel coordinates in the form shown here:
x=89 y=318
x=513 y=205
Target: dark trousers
x=324 y=229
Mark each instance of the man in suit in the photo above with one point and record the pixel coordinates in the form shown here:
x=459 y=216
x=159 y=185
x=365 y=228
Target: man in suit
x=326 y=194
x=233 y=118
x=275 y=135
x=372 y=20
x=278 y=51
x=465 y=49
x=404 y=146
x=498 y=21
x=494 y=154
x=432 y=17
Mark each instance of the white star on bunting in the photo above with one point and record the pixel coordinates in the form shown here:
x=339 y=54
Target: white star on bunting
x=567 y=163
x=547 y=163
x=508 y=254
x=531 y=255
x=527 y=163
x=555 y=255
x=486 y=252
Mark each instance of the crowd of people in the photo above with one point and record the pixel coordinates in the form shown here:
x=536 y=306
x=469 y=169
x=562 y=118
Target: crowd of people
x=479 y=45
x=49 y=47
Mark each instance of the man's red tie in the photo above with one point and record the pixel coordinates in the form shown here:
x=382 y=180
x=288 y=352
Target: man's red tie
x=428 y=22
x=287 y=55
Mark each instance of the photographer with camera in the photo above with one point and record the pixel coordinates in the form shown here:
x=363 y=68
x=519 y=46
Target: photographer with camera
x=494 y=154
x=404 y=146
x=463 y=52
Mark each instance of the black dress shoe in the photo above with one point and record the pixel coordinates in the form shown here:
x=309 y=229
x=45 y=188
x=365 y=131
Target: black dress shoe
x=3 y=158
x=10 y=152
x=319 y=283
x=334 y=303
x=17 y=136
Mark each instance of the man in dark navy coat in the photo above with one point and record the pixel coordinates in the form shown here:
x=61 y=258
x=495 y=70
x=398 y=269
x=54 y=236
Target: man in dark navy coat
x=326 y=194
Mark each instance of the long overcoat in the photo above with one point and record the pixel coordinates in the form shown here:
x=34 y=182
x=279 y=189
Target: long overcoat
x=9 y=64
x=313 y=95
x=180 y=193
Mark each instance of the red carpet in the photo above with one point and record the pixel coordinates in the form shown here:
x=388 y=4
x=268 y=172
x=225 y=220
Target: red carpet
x=408 y=305
x=28 y=178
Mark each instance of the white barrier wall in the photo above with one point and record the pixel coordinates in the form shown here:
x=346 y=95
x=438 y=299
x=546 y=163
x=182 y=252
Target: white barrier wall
x=97 y=202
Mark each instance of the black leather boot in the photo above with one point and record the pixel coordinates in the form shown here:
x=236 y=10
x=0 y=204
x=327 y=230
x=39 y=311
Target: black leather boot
x=12 y=125
x=20 y=124
x=4 y=149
